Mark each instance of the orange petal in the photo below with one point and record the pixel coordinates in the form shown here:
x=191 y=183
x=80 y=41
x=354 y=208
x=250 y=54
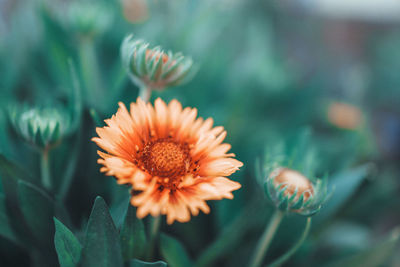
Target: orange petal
x=220 y=167
x=216 y=188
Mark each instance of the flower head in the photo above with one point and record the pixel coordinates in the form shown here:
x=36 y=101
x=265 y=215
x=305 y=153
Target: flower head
x=88 y=18
x=152 y=67
x=135 y=10
x=288 y=175
x=42 y=127
x=173 y=160
x=344 y=116
x=292 y=191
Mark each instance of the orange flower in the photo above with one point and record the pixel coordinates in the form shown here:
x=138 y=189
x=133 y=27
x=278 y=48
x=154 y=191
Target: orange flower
x=344 y=115
x=173 y=160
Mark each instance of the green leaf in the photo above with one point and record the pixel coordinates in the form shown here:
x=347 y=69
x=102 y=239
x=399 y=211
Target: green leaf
x=67 y=245
x=139 y=263
x=102 y=247
x=5 y=227
x=120 y=200
x=38 y=210
x=95 y=117
x=174 y=252
x=132 y=235
x=75 y=99
x=342 y=186
x=10 y=174
x=375 y=256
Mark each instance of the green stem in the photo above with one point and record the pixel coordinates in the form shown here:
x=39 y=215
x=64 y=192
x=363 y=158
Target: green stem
x=90 y=70
x=145 y=93
x=45 y=169
x=231 y=235
x=70 y=167
x=155 y=227
x=266 y=239
x=289 y=253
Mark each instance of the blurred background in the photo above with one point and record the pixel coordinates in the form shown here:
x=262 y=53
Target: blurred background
x=266 y=71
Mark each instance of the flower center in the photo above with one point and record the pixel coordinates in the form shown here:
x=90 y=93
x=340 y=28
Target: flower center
x=166 y=158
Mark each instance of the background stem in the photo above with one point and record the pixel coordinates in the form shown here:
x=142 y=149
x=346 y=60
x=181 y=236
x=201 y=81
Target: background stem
x=155 y=227
x=145 y=93
x=90 y=71
x=45 y=169
x=231 y=235
x=266 y=239
x=290 y=252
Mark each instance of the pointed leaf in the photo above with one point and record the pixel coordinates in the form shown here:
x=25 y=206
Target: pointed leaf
x=38 y=210
x=102 y=247
x=375 y=256
x=95 y=117
x=132 y=235
x=342 y=186
x=174 y=252
x=119 y=205
x=10 y=174
x=67 y=245
x=10 y=171
x=139 y=263
x=5 y=227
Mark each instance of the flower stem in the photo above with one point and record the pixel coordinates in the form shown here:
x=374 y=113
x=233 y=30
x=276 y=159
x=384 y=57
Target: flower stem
x=289 y=253
x=45 y=169
x=145 y=93
x=155 y=227
x=90 y=70
x=266 y=239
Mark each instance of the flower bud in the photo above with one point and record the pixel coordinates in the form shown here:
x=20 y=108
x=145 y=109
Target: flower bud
x=152 y=67
x=292 y=191
x=135 y=11
x=41 y=127
x=88 y=19
x=344 y=116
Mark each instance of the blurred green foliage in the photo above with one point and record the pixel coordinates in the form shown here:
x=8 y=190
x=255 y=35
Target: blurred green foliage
x=265 y=72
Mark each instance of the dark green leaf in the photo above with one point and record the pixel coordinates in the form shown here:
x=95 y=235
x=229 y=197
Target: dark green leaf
x=174 y=252
x=10 y=174
x=375 y=256
x=67 y=245
x=102 y=247
x=139 y=263
x=95 y=117
x=132 y=235
x=38 y=210
x=342 y=186
x=120 y=200
x=75 y=101
x=5 y=228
